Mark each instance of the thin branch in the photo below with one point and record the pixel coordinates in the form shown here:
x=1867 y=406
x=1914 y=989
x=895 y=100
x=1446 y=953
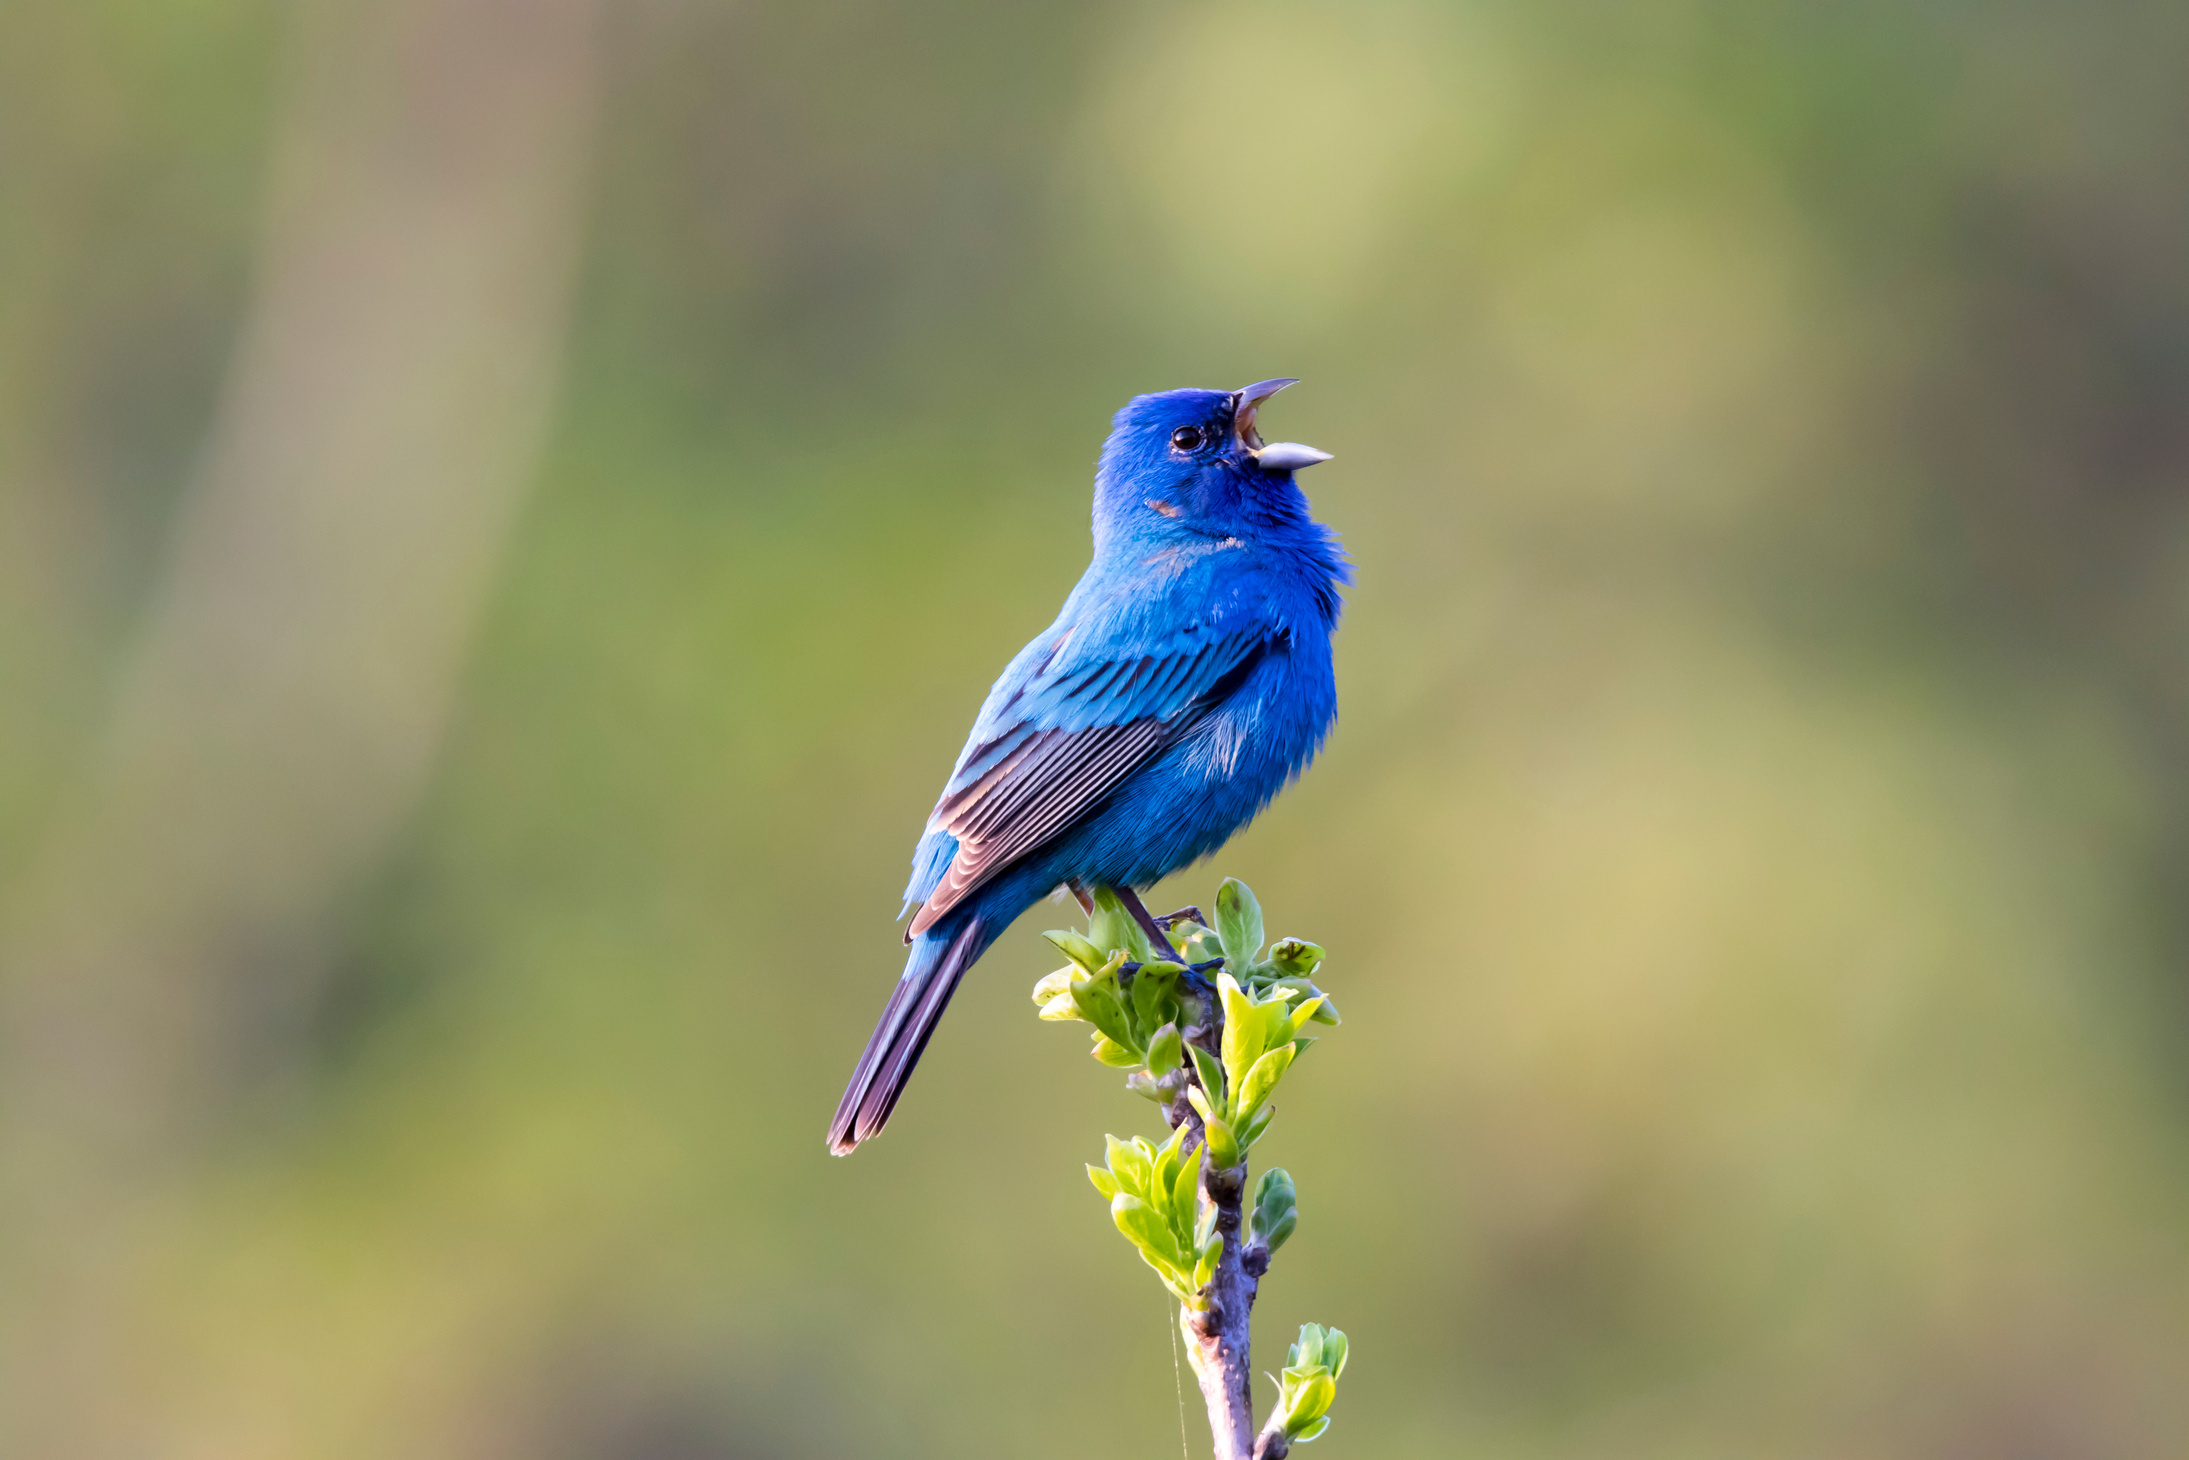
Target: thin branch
x=1219 y=1343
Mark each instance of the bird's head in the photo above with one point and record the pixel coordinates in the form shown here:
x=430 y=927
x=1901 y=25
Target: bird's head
x=1192 y=461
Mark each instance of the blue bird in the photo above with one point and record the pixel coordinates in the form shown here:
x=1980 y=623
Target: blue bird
x=1186 y=681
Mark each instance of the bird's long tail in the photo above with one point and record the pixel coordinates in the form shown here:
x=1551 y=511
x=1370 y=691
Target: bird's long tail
x=939 y=959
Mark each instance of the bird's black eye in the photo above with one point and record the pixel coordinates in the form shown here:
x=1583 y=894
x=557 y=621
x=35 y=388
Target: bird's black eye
x=1186 y=438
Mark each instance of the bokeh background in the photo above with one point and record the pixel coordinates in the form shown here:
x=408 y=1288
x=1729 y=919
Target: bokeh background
x=506 y=510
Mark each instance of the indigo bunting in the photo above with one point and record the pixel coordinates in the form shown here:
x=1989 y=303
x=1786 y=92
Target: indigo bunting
x=1186 y=681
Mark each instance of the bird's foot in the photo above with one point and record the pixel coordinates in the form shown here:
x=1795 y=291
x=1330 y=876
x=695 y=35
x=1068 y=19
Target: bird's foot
x=1157 y=934
x=1187 y=914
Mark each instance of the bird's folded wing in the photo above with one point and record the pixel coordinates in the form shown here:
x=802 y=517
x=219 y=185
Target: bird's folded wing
x=1068 y=735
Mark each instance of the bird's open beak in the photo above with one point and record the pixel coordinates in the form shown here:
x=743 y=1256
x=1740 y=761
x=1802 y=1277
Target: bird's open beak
x=1282 y=455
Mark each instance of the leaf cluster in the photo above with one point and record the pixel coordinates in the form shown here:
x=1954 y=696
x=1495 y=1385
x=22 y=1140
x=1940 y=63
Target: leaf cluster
x=1222 y=1047
x=1309 y=1385
x=1152 y=1192
x=1152 y=1012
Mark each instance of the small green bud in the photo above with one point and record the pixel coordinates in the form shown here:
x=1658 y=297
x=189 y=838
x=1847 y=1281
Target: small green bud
x=1056 y=983
x=1294 y=958
x=1276 y=1207
x=1204 y=1269
x=1223 y=1145
x=1166 y=1051
x=1062 y=1007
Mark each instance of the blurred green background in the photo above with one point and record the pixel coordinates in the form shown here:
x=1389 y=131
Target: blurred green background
x=506 y=511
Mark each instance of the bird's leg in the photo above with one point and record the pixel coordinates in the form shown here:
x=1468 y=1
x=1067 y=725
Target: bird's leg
x=1187 y=914
x=1147 y=921
x=1079 y=891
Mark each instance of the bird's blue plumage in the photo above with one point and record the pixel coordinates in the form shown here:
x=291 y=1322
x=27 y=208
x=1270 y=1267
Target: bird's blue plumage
x=1185 y=681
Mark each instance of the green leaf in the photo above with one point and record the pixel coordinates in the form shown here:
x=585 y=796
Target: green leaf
x=1310 y=1402
x=1312 y=1432
x=1100 y=1005
x=1243 y=1030
x=1062 y=1007
x=1276 y=1021
x=1164 y=1174
x=1307 y=1350
x=1326 y=1012
x=1166 y=1051
x=1103 y=1181
x=1211 y=1074
x=1280 y=1231
x=1147 y=1230
x=1252 y=1130
x=1238 y=923
x=1152 y=991
x=1199 y=1100
x=1302 y=1013
x=1113 y=929
x=1056 y=983
x=1335 y=1352
x=1183 y=1186
x=1294 y=957
x=1128 y=1165
x=1077 y=948
x=1113 y=1054
x=1260 y=1081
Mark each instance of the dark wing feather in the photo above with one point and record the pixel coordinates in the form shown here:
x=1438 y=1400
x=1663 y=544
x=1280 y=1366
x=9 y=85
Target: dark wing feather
x=1031 y=781
x=1028 y=798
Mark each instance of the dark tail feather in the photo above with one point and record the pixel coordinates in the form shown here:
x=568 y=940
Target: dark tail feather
x=939 y=959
